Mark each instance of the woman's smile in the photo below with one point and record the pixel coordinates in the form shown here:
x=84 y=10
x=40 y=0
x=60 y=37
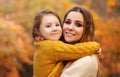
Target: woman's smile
x=69 y=34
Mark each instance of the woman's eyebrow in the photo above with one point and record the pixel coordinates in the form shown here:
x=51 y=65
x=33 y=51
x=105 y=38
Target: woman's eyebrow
x=79 y=21
x=67 y=19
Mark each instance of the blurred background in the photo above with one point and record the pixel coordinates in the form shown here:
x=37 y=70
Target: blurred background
x=16 y=45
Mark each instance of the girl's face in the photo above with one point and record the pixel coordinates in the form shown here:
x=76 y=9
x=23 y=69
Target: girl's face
x=73 y=27
x=50 y=27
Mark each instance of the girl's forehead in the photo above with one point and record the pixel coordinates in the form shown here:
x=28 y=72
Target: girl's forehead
x=49 y=19
x=49 y=16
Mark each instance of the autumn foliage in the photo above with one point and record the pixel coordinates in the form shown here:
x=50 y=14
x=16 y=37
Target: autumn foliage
x=15 y=48
x=16 y=19
x=108 y=35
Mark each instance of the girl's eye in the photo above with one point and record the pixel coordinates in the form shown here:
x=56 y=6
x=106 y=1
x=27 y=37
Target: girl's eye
x=57 y=24
x=67 y=22
x=79 y=25
x=48 y=26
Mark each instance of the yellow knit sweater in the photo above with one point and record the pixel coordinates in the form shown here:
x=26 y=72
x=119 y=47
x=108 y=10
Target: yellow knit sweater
x=48 y=55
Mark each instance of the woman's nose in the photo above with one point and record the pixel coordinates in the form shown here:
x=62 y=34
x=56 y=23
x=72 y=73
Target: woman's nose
x=70 y=26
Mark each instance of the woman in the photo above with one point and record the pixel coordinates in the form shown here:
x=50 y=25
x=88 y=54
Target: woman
x=78 y=26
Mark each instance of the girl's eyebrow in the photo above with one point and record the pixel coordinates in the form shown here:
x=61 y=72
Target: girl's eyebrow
x=57 y=22
x=48 y=24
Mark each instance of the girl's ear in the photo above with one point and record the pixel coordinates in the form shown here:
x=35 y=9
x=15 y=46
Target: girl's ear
x=37 y=31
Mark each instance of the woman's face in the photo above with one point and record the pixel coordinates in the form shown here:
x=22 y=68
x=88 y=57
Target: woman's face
x=50 y=27
x=73 y=27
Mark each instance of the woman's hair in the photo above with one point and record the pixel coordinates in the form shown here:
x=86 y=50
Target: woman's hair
x=38 y=19
x=88 y=32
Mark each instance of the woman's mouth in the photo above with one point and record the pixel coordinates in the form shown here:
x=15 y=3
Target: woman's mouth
x=69 y=34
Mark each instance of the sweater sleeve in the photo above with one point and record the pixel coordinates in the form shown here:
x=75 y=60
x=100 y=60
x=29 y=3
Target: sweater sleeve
x=60 y=51
x=57 y=70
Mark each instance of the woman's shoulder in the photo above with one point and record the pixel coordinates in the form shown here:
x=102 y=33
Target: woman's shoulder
x=86 y=60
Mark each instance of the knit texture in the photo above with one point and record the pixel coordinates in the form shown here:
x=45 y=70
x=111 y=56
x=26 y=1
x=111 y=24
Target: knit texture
x=48 y=55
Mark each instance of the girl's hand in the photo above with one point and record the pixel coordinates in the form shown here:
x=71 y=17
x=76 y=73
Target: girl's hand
x=39 y=38
x=99 y=52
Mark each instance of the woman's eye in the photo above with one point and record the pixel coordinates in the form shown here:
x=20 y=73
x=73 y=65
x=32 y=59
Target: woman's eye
x=67 y=22
x=79 y=24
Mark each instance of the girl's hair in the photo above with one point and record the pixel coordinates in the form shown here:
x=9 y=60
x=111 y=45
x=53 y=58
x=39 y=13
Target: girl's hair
x=38 y=18
x=88 y=32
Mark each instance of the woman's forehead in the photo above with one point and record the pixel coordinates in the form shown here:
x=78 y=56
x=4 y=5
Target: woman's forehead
x=75 y=16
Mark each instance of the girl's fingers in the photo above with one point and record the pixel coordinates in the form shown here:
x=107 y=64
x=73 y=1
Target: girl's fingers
x=39 y=38
x=99 y=52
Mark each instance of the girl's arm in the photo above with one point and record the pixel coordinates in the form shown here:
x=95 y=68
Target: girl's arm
x=60 y=51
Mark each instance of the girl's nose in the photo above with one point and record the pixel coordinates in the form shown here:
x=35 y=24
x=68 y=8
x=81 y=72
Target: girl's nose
x=54 y=27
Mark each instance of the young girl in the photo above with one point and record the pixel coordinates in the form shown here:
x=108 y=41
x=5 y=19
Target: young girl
x=50 y=53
